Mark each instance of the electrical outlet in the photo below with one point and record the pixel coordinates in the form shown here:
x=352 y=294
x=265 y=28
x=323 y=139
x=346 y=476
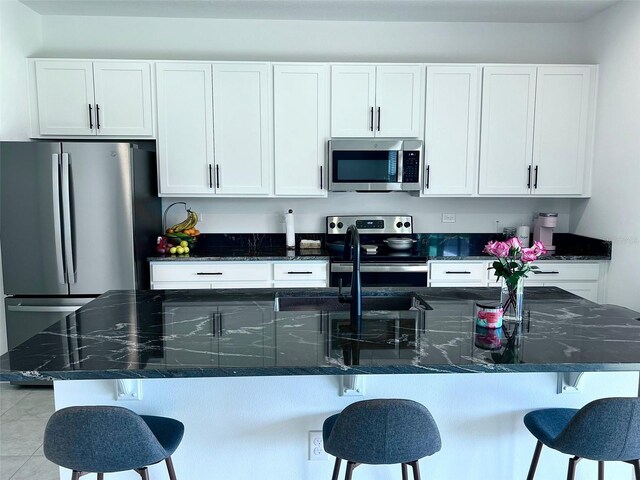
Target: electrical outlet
x=448 y=218
x=316 y=446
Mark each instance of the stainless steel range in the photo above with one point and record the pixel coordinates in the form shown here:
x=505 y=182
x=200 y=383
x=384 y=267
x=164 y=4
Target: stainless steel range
x=390 y=257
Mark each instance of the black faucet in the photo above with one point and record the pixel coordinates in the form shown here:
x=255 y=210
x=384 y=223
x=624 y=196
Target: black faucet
x=352 y=253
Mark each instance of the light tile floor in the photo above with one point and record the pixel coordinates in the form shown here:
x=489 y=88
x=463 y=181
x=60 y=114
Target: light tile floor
x=24 y=412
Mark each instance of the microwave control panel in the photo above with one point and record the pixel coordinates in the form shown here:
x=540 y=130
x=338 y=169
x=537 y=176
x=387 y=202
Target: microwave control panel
x=410 y=167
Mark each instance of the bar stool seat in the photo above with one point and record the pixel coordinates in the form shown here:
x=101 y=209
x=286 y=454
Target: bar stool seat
x=104 y=439
x=381 y=432
x=604 y=430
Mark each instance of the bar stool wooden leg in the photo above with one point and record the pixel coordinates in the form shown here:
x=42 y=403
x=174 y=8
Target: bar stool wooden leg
x=534 y=461
x=571 y=473
x=100 y=476
x=143 y=472
x=636 y=468
x=600 y=470
x=170 y=469
x=416 y=470
x=75 y=475
x=336 y=469
x=405 y=474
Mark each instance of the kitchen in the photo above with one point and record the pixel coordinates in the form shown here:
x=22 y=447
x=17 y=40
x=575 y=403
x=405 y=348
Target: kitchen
x=605 y=39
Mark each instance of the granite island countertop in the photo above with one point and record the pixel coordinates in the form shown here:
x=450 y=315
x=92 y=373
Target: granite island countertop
x=220 y=333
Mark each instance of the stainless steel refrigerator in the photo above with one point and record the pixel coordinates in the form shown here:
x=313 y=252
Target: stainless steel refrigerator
x=76 y=219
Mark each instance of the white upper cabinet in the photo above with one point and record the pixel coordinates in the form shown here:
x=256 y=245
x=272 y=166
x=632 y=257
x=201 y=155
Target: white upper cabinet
x=79 y=98
x=353 y=99
x=382 y=101
x=242 y=128
x=451 y=130
x=185 y=128
x=535 y=130
x=398 y=101
x=65 y=103
x=561 y=125
x=506 y=144
x=123 y=98
x=301 y=128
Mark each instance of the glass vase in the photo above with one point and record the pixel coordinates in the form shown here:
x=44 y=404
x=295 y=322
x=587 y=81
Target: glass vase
x=511 y=300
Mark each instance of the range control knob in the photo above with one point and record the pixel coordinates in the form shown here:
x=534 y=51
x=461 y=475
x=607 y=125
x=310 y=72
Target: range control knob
x=340 y=224
x=332 y=225
x=407 y=224
x=399 y=224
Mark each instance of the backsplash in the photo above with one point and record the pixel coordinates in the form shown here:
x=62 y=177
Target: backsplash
x=266 y=215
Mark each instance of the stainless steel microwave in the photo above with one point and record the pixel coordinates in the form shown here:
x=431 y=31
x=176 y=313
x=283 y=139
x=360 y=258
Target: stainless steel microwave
x=358 y=164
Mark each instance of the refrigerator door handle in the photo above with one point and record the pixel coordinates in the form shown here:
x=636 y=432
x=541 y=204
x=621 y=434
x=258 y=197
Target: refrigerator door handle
x=43 y=308
x=66 y=219
x=57 y=232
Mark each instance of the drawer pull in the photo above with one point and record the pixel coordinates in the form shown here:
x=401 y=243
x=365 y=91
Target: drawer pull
x=457 y=273
x=299 y=273
x=540 y=272
x=209 y=273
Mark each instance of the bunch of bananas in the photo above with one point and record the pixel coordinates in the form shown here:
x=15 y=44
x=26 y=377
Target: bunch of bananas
x=187 y=226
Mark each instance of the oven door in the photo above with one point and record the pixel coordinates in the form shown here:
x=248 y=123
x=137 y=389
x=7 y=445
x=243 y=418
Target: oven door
x=381 y=274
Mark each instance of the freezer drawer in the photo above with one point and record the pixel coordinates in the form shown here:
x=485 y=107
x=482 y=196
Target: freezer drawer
x=29 y=316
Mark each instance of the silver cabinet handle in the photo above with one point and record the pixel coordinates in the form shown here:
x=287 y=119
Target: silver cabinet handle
x=57 y=232
x=540 y=272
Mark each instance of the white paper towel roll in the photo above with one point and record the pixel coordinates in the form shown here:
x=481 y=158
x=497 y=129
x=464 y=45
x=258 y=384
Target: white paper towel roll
x=290 y=229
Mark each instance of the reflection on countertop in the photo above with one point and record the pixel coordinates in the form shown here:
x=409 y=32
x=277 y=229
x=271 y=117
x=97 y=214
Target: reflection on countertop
x=213 y=333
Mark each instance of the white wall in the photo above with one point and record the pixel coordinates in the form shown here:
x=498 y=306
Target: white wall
x=20 y=37
x=473 y=215
x=311 y=40
x=612 y=212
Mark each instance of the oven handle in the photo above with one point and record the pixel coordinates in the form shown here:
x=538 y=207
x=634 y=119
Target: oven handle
x=380 y=268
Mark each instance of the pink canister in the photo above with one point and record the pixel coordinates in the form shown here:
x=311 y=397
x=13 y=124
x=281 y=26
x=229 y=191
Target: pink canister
x=489 y=316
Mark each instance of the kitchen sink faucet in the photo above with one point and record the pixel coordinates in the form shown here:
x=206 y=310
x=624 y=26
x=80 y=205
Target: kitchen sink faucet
x=352 y=253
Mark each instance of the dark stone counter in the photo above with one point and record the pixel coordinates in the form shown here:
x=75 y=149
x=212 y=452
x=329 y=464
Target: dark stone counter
x=218 y=333
x=435 y=246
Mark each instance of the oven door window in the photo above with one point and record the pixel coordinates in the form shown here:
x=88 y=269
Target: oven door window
x=382 y=279
x=365 y=166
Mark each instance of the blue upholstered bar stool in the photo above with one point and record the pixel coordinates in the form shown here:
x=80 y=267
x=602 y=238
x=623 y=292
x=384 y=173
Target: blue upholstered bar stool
x=381 y=432
x=102 y=439
x=605 y=430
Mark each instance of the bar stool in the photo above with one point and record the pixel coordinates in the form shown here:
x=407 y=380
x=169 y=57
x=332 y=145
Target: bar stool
x=103 y=439
x=381 y=432
x=605 y=430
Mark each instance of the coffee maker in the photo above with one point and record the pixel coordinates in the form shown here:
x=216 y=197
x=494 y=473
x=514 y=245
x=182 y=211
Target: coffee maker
x=543 y=229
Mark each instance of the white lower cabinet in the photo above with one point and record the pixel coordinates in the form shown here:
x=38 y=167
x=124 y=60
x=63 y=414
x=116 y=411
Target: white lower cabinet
x=238 y=274
x=457 y=273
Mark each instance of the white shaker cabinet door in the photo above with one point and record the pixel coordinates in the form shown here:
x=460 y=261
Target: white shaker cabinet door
x=451 y=130
x=397 y=112
x=353 y=100
x=123 y=98
x=506 y=144
x=241 y=128
x=185 y=128
x=65 y=97
x=301 y=129
x=561 y=124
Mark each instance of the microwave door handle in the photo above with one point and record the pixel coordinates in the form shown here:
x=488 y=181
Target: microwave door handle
x=400 y=166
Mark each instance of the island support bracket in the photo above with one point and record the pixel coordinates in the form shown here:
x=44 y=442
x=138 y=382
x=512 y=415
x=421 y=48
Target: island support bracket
x=569 y=382
x=351 y=385
x=128 y=389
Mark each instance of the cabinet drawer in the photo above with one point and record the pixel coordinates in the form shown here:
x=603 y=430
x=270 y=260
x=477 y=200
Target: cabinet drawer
x=212 y=272
x=179 y=285
x=459 y=272
x=553 y=271
x=300 y=271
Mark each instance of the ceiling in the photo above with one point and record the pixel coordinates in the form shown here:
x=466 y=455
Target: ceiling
x=522 y=11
